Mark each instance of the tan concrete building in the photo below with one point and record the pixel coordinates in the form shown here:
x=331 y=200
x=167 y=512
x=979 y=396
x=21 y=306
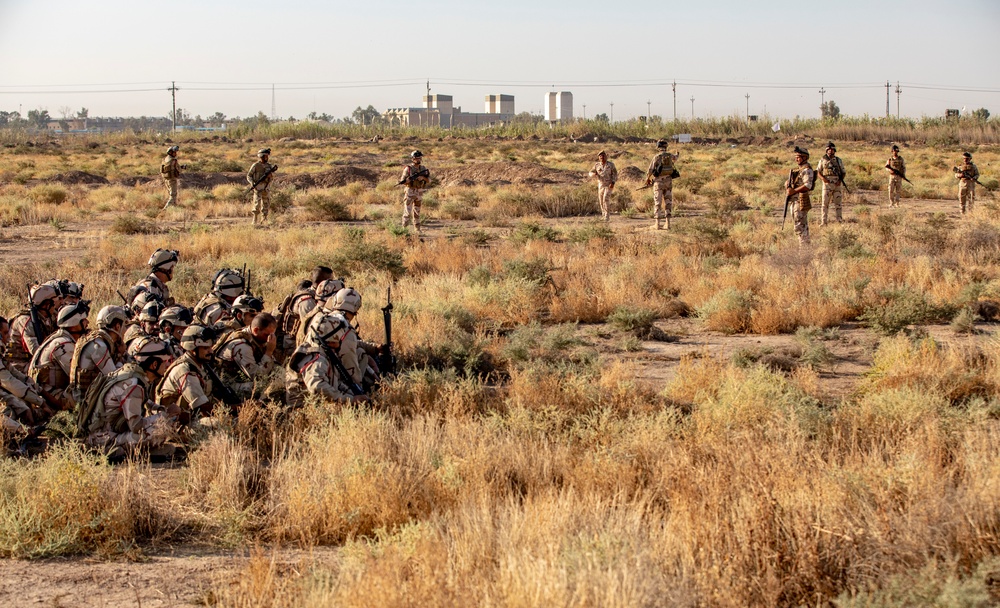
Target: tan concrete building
x=440 y=111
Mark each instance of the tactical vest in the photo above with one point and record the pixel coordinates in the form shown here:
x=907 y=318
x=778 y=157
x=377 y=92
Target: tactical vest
x=49 y=373
x=230 y=368
x=300 y=333
x=16 y=352
x=168 y=168
x=187 y=366
x=92 y=415
x=663 y=165
x=831 y=167
x=799 y=179
x=422 y=180
x=80 y=380
x=896 y=163
x=211 y=299
x=288 y=319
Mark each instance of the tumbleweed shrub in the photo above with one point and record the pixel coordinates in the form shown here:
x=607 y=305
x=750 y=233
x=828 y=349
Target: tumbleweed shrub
x=225 y=479
x=71 y=501
x=729 y=311
x=49 y=194
x=328 y=205
x=958 y=372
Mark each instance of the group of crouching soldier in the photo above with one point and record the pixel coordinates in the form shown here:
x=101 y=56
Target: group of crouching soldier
x=153 y=369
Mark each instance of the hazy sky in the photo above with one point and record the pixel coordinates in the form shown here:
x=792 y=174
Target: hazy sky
x=311 y=49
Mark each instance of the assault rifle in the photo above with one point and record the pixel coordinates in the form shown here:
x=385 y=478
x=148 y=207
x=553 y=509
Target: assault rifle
x=386 y=360
x=967 y=175
x=345 y=377
x=245 y=275
x=840 y=176
x=899 y=173
x=788 y=198
x=253 y=187
x=222 y=390
x=36 y=323
x=423 y=172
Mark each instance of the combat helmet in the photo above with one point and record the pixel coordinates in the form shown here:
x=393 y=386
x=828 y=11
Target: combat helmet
x=347 y=300
x=42 y=293
x=196 y=336
x=263 y=152
x=228 y=282
x=328 y=288
x=248 y=303
x=416 y=154
x=163 y=260
x=145 y=349
x=109 y=315
x=72 y=315
x=173 y=150
x=328 y=327
x=176 y=316
x=662 y=144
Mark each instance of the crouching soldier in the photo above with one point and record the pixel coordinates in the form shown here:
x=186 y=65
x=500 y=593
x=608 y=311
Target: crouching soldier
x=50 y=366
x=20 y=400
x=311 y=370
x=216 y=306
x=357 y=355
x=185 y=394
x=246 y=357
x=113 y=413
x=245 y=308
x=173 y=322
x=25 y=336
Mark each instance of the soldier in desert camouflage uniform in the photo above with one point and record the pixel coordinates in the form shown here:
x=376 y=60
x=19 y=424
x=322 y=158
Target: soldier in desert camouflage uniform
x=261 y=196
x=171 y=172
x=606 y=174
x=246 y=356
x=50 y=365
x=661 y=176
x=967 y=173
x=416 y=178
x=895 y=181
x=798 y=187
x=185 y=393
x=831 y=170
x=23 y=341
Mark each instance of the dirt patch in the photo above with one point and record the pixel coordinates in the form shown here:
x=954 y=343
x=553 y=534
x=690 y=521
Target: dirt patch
x=632 y=173
x=338 y=176
x=73 y=178
x=504 y=172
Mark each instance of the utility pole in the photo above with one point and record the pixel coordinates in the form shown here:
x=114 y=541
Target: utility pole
x=274 y=110
x=692 y=107
x=612 y=120
x=822 y=100
x=887 y=99
x=898 y=91
x=649 y=116
x=748 y=106
x=173 y=96
x=585 y=111
x=674 y=87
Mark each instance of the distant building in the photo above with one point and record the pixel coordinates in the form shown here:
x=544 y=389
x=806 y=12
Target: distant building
x=558 y=106
x=440 y=111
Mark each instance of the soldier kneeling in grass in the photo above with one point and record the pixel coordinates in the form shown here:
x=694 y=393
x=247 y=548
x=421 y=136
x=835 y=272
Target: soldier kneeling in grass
x=312 y=369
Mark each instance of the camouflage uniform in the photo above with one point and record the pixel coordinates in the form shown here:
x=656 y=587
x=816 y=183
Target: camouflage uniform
x=967 y=186
x=171 y=171
x=289 y=315
x=185 y=387
x=804 y=176
x=244 y=362
x=155 y=287
x=414 y=194
x=895 y=181
x=118 y=423
x=50 y=367
x=352 y=352
x=18 y=394
x=261 y=197
x=660 y=175
x=23 y=341
x=212 y=309
x=607 y=175
x=95 y=354
x=309 y=372
x=833 y=187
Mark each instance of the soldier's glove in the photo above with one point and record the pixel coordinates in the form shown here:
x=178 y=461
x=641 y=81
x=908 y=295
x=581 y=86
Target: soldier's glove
x=274 y=168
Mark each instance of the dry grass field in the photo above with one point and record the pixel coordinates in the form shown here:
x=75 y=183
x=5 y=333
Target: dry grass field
x=588 y=414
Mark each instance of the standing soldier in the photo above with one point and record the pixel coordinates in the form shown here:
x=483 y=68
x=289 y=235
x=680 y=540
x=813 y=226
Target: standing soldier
x=416 y=178
x=24 y=334
x=897 y=171
x=660 y=175
x=161 y=265
x=798 y=186
x=260 y=173
x=967 y=175
x=606 y=175
x=170 y=171
x=50 y=365
x=831 y=170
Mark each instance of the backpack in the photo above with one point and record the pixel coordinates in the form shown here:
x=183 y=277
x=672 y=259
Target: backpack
x=86 y=422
